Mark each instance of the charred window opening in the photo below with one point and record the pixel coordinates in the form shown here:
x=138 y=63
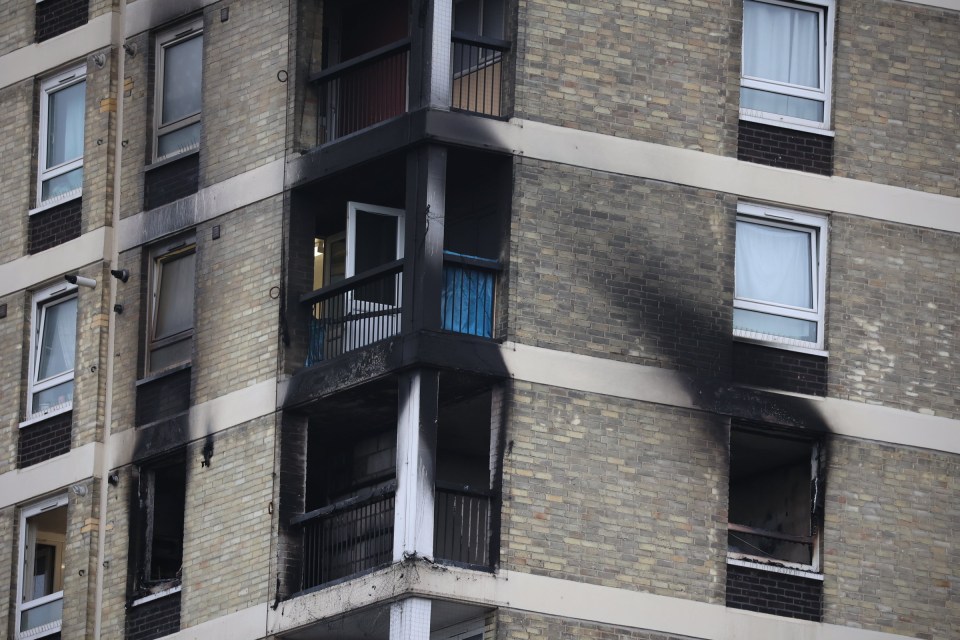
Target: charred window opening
x=775 y=499
x=161 y=494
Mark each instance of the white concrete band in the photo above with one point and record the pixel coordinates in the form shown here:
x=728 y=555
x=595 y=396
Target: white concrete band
x=20 y=485
x=31 y=270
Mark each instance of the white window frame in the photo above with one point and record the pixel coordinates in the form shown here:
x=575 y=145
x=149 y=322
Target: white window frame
x=23 y=556
x=49 y=87
x=827 y=13
x=172 y=37
x=817 y=227
x=159 y=254
x=42 y=300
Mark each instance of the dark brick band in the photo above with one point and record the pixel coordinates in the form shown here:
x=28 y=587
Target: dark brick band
x=155 y=619
x=54 y=226
x=785 y=148
x=774 y=368
x=779 y=594
x=54 y=17
x=172 y=181
x=44 y=440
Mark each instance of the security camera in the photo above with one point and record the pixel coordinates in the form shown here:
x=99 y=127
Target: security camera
x=80 y=280
x=120 y=274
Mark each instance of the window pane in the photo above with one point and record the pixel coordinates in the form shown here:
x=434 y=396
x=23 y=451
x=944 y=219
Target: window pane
x=376 y=240
x=65 y=125
x=466 y=16
x=781 y=43
x=39 y=616
x=179 y=141
x=773 y=265
x=493 y=18
x=174 y=312
x=52 y=397
x=58 y=342
x=182 y=74
x=64 y=183
x=765 y=325
x=170 y=355
x=781 y=104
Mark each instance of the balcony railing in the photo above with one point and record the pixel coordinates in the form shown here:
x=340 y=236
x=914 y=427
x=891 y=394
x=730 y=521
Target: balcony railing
x=461 y=526
x=356 y=535
x=362 y=92
x=466 y=305
x=348 y=537
x=478 y=75
x=355 y=312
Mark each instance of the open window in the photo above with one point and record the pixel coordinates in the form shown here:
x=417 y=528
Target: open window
x=162 y=495
x=52 y=351
x=780 y=278
x=787 y=61
x=43 y=532
x=776 y=498
x=172 y=273
x=60 y=153
x=178 y=95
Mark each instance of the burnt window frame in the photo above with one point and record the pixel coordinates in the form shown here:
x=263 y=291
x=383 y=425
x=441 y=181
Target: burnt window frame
x=146 y=586
x=816 y=447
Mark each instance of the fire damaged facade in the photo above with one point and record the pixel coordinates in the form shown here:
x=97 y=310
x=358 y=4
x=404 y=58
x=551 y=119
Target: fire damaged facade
x=479 y=319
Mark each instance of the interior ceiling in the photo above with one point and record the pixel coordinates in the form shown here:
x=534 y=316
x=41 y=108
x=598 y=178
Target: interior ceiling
x=752 y=453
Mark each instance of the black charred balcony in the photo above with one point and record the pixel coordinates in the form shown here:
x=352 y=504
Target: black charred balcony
x=362 y=92
x=478 y=74
x=355 y=536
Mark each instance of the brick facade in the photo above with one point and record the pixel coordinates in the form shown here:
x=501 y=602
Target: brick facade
x=779 y=594
x=44 y=440
x=172 y=181
x=772 y=368
x=153 y=619
x=54 y=17
x=54 y=226
x=596 y=270
x=785 y=148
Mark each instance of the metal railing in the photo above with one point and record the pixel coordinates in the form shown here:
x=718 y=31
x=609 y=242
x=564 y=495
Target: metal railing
x=467 y=300
x=348 y=537
x=461 y=526
x=355 y=312
x=362 y=92
x=478 y=74
x=770 y=545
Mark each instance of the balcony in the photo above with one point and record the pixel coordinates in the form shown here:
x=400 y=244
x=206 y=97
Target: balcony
x=356 y=535
x=366 y=309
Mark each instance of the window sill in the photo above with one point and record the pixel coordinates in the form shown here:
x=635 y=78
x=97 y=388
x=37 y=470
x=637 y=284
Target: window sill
x=156 y=596
x=57 y=201
x=163 y=374
x=781 y=345
x=170 y=159
x=788 y=568
x=49 y=413
x=41 y=632
x=773 y=122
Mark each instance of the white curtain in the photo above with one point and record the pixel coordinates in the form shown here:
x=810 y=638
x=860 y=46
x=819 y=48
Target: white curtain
x=65 y=126
x=773 y=265
x=781 y=44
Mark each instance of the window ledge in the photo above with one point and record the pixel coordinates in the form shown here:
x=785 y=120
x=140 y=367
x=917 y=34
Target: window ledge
x=773 y=122
x=41 y=632
x=785 y=568
x=156 y=596
x=781 y=345
x=163 y=374
x=170 y=159
x=49 y=413
x=57 y=201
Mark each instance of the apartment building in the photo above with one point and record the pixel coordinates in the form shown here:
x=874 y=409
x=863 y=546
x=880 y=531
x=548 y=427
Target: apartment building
x=480 y=319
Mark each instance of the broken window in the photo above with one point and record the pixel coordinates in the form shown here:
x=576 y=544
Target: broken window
x=43 y=532
x=775 y=498
x=162 y=492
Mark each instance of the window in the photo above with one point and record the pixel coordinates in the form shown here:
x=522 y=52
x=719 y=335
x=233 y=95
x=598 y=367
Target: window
x=172 y=268
x=472 y=630
x=43 y=531
x=178 y=90
x=780 y=273
x=62 y=106
x=162 y=491
x=776 y=498
x=479 y=18
x=52 y=351
x=787 y=61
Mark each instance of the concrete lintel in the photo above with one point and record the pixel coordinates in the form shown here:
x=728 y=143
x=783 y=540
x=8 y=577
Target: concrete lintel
x=210 y=202
x=47 y=477
x=32 y=270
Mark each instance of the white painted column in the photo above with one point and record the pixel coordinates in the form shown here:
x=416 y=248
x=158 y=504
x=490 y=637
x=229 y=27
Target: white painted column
x=416 y=461
x=410 y=619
